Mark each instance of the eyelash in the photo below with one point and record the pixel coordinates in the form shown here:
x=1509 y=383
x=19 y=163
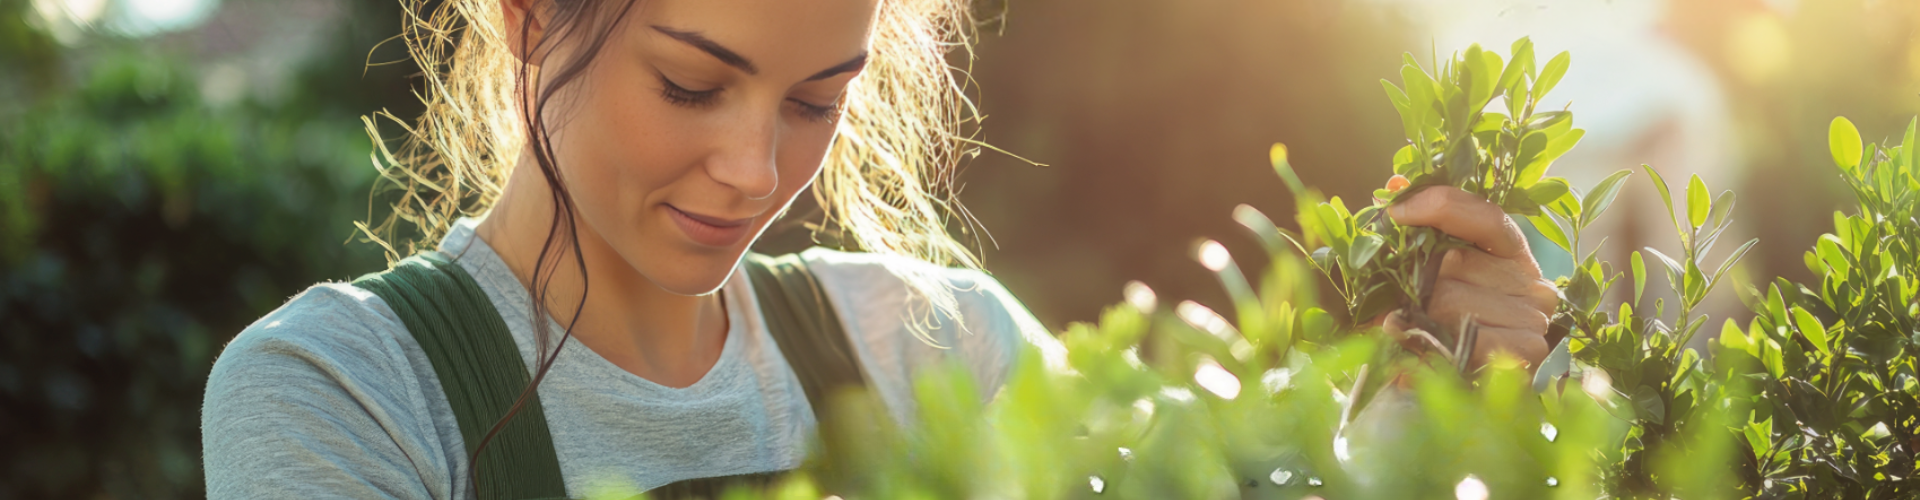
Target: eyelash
x=681 y=96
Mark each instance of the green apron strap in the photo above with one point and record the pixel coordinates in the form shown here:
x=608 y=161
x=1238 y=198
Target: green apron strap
x=480 y=369
x=804 y=324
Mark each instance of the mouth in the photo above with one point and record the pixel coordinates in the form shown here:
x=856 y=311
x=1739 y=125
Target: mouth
x=709 y=230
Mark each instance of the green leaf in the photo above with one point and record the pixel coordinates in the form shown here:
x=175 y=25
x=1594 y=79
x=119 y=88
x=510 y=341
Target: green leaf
x=1738 y=253
x=1410 y=117
x=1421 y=93
x=1843 y=140
x=1363 y=249
x=1829 y=248
x=1651 y=408
x=1776 y=305
x=1811 y=327
x=1699 y=201
x=1550 y=75
x=1601 y=197
x=1520 y=64
x=1557 y=363
x=1733 y=338
x=1760 y=437
x=1545 y=119
x=1639 y=277
x=1548 y=191
x=1909 y=146
x=1666 y=198
x=1722 y=207
x=1550 y=228
x=1560 y=144
x=1333 y=228
x=1261 y=227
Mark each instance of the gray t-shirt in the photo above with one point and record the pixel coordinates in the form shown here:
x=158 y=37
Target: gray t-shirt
x=329 y=396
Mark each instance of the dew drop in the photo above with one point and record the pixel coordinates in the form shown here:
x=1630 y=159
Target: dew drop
x=1214 y=256
x=1314 y=481
x=1099 y=485
x=1216 y=379
x=1140 y=297
x=1281 y=477
x=1470 y=488
x=1549 y=431
x=1276 y=380
x=1553 y=481
x=1126 y=454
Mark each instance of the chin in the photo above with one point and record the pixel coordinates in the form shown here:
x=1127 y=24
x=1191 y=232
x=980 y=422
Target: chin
x=695 y=274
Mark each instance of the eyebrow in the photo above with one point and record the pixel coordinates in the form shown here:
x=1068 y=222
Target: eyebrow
x=734 y=59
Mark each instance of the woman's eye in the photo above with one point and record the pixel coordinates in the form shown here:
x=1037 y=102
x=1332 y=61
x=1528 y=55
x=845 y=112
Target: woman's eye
x=681 y=96
x=816 y=113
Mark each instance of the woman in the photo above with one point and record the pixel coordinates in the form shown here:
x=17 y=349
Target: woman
x=623 y=156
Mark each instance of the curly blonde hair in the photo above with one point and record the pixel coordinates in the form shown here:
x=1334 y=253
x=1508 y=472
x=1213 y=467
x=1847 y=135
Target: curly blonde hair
x=886 y=184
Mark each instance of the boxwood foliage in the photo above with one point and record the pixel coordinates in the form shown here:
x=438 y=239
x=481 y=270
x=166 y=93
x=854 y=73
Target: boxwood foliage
x=140 y=229
x=1813 y=397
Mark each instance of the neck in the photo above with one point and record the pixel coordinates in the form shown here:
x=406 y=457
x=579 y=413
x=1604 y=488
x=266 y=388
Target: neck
x=667 y=338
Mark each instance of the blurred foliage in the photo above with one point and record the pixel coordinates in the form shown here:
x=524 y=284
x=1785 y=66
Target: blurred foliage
x=1147 y=114
x=140 y=228
x=1788 y=68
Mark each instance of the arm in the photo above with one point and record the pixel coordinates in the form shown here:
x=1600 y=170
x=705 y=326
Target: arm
x=313 y=401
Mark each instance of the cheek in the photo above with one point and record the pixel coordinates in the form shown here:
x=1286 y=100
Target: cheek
x=617 y=148
x=802 y=154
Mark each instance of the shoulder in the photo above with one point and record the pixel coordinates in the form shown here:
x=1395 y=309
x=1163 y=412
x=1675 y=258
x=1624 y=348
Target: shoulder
x=318 y=395
x=328 y=326
x=899 y=331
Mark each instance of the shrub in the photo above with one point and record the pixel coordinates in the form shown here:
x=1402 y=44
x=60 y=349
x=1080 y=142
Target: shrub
x=138 y=231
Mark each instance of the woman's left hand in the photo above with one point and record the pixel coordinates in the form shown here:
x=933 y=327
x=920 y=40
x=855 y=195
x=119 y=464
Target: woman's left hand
x=1497 y=281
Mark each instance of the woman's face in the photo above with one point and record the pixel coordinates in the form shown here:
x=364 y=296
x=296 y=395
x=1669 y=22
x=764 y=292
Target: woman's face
x=697 y=123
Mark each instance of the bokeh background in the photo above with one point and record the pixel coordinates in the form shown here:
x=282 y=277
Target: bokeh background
x=171 y=170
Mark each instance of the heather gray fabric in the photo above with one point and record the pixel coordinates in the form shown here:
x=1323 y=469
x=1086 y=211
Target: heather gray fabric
x=329 y=396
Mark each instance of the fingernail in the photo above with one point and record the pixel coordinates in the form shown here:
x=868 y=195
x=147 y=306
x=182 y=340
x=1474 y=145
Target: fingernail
x=1397 y=211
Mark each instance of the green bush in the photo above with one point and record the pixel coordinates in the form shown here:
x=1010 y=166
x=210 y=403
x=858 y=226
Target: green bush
x=139 y=229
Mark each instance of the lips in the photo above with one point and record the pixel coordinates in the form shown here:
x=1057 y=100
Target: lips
x=709 y=230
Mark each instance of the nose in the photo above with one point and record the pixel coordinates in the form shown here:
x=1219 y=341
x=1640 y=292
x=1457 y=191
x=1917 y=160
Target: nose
x=744 y=155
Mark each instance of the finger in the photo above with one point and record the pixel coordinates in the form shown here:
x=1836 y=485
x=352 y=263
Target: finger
x=1506 y=276
x=1525 y=345
x=1396 y=323
x=1464 y=216
x=1453 y=299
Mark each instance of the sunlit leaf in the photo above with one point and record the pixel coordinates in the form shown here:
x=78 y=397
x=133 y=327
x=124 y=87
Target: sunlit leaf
x=1698 y=202
x=1601 y=196
x=1363 y=249
x=1639 y=277
x=1666 y=199
x=1551 y=229
x=1550 y=75
x=1812 y=329
x=1843 y=140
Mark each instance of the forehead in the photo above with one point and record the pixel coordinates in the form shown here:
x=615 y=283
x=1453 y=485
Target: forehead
x=777 y=35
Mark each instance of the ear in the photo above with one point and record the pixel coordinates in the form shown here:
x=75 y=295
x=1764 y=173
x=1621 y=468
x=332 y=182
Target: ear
x=526 y=22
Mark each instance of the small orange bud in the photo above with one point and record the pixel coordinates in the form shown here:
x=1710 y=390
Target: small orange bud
x=1398 y=182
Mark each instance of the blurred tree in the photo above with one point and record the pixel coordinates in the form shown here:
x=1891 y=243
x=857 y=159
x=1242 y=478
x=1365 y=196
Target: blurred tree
x=1154 y=118
x=140 y=228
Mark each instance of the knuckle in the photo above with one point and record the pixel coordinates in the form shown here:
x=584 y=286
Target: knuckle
x=1456 y=258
